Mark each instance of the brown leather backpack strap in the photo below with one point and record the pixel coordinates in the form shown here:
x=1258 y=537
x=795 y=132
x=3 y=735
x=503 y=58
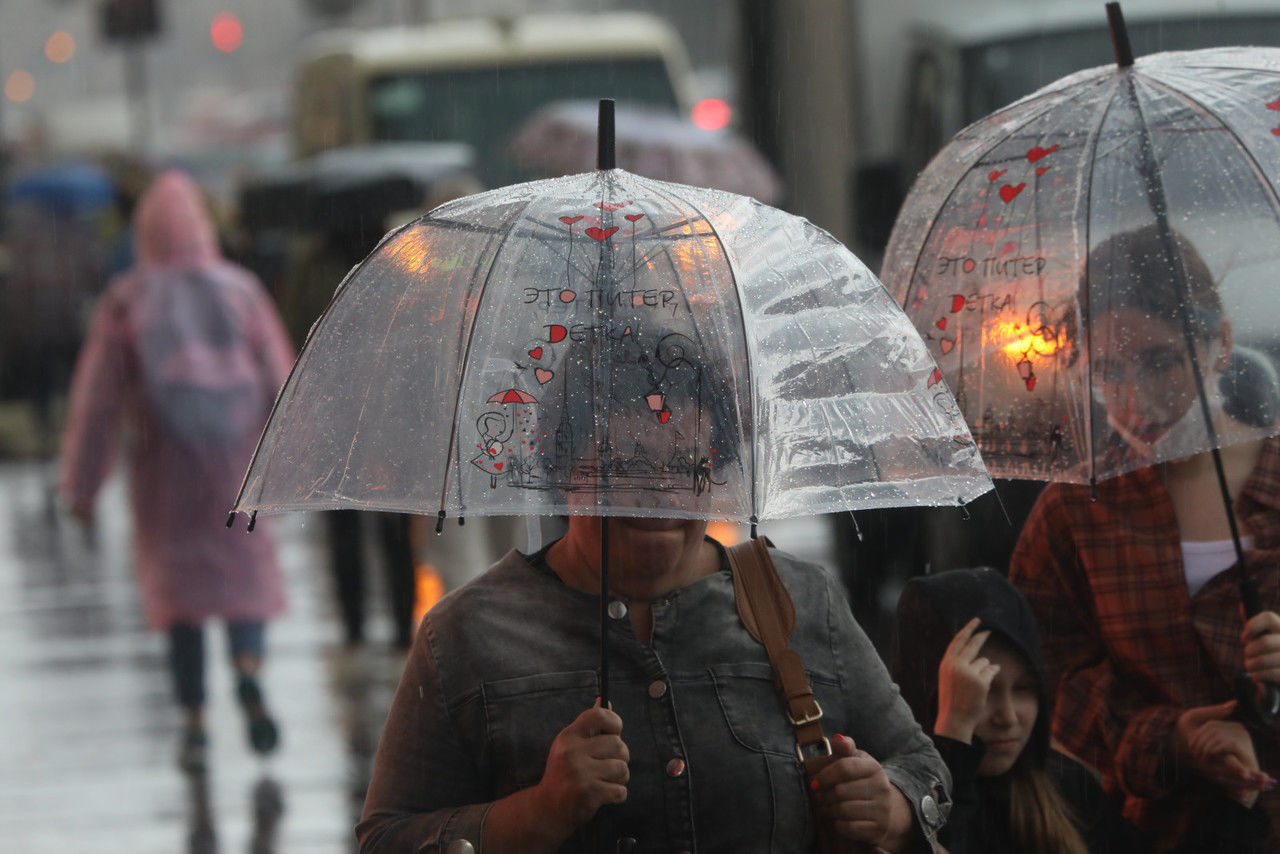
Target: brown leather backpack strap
x=766 y=609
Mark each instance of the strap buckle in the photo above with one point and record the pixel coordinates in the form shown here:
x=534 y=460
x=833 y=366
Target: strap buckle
x=807 y=719
x=825 y=745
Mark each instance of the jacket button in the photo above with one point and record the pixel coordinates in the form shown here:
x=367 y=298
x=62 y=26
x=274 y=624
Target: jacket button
x=675 y=768
x=929 y=810
x=617 y=609
x=657 y=689
x=461 y=846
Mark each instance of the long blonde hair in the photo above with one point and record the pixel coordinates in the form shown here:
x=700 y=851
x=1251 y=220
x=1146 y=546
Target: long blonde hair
x=1039 y=819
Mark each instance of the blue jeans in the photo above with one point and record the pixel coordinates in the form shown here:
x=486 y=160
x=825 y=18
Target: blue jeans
x=186 y=655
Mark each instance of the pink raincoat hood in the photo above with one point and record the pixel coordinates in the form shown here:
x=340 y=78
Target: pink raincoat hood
x=172 y=227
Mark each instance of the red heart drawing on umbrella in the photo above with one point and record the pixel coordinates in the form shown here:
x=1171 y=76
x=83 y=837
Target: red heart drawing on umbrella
x=497 y=466
x=1274 y=105
x=1276 y=131
x=935 y=377
x=1008 y=192
x=600 y=234
x=941 y=324
x=664 y=416
x=1040 y=170
x=543 y=375
x=536 y=352
x=1007 y=248
x=994 y=174
x=570 y=220
x=946 y=345
x=634 y=217
x=611 y=206
x=1036 y=153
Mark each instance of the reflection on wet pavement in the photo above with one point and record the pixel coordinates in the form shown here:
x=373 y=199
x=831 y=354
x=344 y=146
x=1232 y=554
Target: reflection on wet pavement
x=88 y=761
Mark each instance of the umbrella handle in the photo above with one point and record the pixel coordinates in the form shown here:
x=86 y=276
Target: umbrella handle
x=1259 y=702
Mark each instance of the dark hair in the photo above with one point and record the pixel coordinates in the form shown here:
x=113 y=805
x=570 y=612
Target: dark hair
x=645 y=362
x=1134 y=269
x=1250 y=388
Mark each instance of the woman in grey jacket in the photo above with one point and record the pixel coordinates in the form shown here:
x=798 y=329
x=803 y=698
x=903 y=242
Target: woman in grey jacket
x=495 y=736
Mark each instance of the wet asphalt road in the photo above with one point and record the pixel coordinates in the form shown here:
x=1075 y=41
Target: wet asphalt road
x=89 y=729
x=87 y=758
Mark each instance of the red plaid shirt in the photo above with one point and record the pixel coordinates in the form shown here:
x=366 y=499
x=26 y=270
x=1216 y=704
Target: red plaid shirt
x=1127 y=645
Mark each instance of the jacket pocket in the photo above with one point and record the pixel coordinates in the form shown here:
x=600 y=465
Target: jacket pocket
x=524 y=715
x=753 y=710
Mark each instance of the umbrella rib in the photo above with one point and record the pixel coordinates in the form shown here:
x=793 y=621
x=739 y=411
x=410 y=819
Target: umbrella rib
x=465 y=362
x=977 y=158
x=1088 y=303
x=1235 y=137
x=315 y=328
x=746 y=342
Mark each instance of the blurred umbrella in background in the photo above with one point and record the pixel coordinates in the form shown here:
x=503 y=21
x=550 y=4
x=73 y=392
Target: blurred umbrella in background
x=560 y=139
x=64 y=189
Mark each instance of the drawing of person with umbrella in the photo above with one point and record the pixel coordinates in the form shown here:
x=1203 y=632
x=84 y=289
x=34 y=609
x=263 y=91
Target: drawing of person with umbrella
x=603 y=693
x=1094 y=268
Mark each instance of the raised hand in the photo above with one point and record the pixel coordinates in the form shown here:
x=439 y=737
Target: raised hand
x=964 y=679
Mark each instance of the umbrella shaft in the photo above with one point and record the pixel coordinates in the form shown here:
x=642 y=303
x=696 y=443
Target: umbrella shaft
x=1157 y=200
x=604 y=612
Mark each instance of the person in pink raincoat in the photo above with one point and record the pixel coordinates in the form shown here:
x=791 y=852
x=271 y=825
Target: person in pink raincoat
x=186 y=352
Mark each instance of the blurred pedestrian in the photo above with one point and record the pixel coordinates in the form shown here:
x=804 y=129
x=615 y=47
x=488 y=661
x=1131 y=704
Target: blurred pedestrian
x=966 y=656
x=187 y=352
x=1136 y=587
x=51 y=282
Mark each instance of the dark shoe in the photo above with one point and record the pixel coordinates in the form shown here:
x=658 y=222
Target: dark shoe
x=192 y=750
x=264 y=735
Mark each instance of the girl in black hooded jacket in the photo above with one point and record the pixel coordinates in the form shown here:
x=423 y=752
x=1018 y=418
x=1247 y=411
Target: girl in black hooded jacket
x=966 y=656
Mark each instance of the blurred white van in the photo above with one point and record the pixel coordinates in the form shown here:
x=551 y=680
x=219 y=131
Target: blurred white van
x=475 y=80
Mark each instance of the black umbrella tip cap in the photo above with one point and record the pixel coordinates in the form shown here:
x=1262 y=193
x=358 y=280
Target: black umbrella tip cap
x=1119 y=36
x=605 y=158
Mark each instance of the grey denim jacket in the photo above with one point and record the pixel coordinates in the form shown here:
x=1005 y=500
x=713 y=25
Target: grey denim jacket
x=503 y=664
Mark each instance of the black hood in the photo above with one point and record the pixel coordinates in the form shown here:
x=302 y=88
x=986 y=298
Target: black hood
x=933 y=608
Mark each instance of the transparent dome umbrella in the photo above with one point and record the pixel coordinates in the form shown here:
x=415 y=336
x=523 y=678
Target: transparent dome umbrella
x=1008 y=255
x=609 y=345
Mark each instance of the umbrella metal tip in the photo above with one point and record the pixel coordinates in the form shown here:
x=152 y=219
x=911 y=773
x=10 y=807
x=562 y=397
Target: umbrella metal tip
x=605 y=151
x=1119 y=36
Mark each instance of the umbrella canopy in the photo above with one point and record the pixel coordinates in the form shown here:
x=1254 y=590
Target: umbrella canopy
x=63 y=189
x=345 y=188
x=560 y=139
x=608 y=344
x=1149 y=188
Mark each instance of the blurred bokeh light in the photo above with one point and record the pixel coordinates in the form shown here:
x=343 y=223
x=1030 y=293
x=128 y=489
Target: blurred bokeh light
x=20 y=86
x=227 y=32
x=712 y=114
x=60 y=47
